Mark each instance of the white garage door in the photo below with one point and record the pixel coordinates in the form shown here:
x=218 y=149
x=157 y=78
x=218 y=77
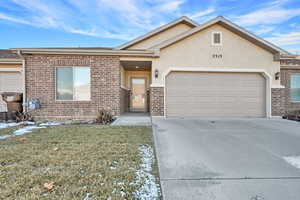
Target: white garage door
x=9 y=82
x=190 y=94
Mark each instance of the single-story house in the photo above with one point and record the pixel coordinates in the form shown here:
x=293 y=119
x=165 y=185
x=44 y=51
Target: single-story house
x=11 y=75
x=186 y=69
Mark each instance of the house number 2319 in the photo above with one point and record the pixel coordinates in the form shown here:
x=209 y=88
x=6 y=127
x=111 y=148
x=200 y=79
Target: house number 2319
x=217 y=56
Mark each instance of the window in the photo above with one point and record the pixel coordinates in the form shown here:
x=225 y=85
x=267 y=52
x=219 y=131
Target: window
x=217 y=38
x=73 y=83
x=295 y=87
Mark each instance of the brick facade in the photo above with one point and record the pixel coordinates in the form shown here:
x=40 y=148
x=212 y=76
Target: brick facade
x=285 y=81
x=105 y=86
x=278 y=101
x=157 y=101
x=124 y=100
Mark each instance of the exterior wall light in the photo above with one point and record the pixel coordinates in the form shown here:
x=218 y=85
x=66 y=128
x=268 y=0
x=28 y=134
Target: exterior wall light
x=277 y=75
x=156 y=73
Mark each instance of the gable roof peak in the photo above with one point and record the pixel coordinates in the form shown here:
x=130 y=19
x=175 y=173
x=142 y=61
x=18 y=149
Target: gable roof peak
x=182 y=19
x=229 y=25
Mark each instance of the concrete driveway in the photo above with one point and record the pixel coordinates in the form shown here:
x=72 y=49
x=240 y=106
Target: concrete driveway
x=234 y=159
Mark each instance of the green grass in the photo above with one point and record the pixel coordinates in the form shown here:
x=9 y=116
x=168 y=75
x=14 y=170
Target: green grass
x=8 y=131
x=100 y=160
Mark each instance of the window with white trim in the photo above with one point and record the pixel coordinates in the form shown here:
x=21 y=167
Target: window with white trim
x=216 y=38
x=295 y=87
x=73 y=83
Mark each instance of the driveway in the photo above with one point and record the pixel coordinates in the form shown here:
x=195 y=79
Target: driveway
x=233 y=159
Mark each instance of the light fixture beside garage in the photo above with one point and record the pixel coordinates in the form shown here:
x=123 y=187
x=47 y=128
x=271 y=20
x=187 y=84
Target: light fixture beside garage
x=277 y=75
x=156 y=73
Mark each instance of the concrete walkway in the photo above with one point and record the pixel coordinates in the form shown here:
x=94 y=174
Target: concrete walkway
x=133 y=119
x=225 y=159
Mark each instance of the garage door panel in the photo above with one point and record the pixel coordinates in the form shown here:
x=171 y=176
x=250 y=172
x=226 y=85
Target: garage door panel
x=215 y=94
x=9 y=82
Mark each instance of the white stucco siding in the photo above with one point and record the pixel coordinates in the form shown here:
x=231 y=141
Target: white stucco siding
x=197 y=52
x=160 y=37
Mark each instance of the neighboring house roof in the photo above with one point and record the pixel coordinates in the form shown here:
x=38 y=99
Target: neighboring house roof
x=9 y=57
x=229 y=25
x=4 y=53
x=86 y=51
x=183 y=19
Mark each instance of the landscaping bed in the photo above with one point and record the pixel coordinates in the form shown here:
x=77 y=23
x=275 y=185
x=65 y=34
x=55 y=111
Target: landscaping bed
x=79 y=162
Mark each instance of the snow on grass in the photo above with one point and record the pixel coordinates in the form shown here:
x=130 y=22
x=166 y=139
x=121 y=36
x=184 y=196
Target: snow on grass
x=4 y=137
x=149 y=189
x=12 y=124
x=293 y=160
x=26 y=129
x=50 y=124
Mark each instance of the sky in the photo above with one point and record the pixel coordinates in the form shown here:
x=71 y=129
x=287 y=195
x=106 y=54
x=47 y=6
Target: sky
x=109 y=23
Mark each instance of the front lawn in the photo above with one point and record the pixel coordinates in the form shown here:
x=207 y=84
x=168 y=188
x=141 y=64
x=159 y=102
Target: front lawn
x=78 y=162
x=8 y=131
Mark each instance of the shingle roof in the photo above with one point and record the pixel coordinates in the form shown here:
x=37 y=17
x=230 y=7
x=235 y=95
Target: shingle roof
x=4 y=53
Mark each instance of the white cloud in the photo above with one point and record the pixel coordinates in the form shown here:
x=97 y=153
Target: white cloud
x=171 y=6
x=292 y=38
x=263 y=30
x=91 y=32
x=202 y=13
x=267 y=16
x=13 y=19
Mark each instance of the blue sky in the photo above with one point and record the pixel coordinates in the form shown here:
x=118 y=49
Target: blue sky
x=108 y=23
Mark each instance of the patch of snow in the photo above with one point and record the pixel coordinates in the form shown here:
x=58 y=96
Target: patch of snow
x=50 y=124
x=4 y=137
x=88 y=196
x=293 y=160
x=114 y=165
x=12 y=124
x=149 y=189
x=7 y=125
x=26 y=129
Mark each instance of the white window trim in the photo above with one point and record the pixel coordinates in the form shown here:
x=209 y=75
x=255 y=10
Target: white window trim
x=292 y=88
x=212 y=38
x=55 y=86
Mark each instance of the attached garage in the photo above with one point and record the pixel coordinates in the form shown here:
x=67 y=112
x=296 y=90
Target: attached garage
x=9 y=82
x=215 y=94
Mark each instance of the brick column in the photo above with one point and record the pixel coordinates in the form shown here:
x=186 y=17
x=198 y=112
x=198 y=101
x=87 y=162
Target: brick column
x=278 y=101
x=157 y=101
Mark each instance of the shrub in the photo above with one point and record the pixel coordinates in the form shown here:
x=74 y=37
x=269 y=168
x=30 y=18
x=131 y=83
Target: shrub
x=24 y=116
x=104 y=117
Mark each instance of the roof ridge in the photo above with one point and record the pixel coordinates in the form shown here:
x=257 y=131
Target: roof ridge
x=158 y=30
x=214 y=21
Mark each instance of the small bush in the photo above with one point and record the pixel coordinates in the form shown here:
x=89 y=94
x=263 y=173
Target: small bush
x=104 y=117
x=24 y=116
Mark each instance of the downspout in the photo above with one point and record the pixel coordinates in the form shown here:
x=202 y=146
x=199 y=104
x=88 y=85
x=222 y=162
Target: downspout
x=24 y=81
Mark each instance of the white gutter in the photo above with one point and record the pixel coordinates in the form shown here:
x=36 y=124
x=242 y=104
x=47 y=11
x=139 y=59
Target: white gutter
x=137 y=53
x=10 y=61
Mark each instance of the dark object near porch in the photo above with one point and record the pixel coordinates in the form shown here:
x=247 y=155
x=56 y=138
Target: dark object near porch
x=13 y=101
x=292 y=115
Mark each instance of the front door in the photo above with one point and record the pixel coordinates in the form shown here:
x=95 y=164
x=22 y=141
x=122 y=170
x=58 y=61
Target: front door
x=138 y=95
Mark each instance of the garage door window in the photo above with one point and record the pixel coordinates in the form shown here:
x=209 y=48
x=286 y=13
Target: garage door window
x=73 y=83
x=295 y=87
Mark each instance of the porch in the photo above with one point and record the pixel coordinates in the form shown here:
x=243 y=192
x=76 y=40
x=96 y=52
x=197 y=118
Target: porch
x=135 y=86
x=133 y=119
